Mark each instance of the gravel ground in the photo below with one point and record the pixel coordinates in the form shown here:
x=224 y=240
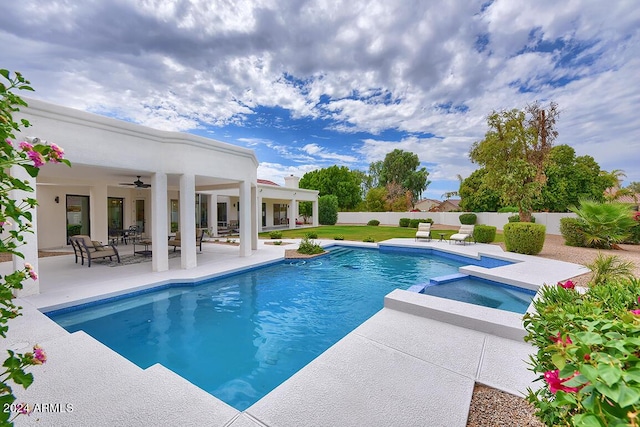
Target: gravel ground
x=491 y=407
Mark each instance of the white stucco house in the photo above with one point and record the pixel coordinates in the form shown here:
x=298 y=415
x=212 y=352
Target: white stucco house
x=125 y=174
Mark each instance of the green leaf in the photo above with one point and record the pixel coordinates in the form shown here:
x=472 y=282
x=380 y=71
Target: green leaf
x=558 y=360
x=31 y=170
x=628 y=396
x=609 y=374
x=589 y=338
x=632 y=374
x=612 y=393
x=586 y=420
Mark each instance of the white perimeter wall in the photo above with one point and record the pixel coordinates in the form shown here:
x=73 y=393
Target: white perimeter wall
x=550 y=220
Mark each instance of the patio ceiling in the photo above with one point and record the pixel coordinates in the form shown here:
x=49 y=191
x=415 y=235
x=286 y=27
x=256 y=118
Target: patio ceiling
x=84 y=175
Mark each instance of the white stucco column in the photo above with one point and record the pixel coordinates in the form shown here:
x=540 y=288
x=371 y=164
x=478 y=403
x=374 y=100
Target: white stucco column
x=314 y=208
x=293 y=211
x=29 y=248
x=255 y=217
x=259 y=210
x=213 y=214
x=159 y=222
x=244 y=216
x=188 y=221
x=98 y=213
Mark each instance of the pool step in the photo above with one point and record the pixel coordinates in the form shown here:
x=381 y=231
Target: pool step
x=107 y=389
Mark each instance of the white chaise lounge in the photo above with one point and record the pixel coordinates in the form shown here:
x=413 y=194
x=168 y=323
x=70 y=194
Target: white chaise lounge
x=464 y=235
x=424 y=231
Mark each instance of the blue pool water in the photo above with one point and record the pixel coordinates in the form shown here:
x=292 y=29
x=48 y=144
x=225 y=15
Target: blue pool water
x=240 y=336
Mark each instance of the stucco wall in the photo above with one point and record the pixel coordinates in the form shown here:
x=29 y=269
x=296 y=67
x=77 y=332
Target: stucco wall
x=550 y=220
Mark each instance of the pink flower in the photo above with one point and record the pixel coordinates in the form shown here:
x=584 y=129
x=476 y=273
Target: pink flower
x=33 y=275
x=25 y=146
x=558 y=340
x=567 y=285
x=28 y=266
x=8 y=141
x=7 y=223
x=555 y=382
x=39 y=355
x=37 y=158
x=636 y=312
x=23 y=408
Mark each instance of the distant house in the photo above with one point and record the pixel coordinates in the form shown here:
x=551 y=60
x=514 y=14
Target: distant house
x=449 y=205
x=426 y=205
x=630 y=199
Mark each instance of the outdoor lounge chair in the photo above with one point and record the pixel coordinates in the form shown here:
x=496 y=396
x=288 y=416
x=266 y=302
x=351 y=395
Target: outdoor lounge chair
x=424 y=231
x=464 y=235
x=177 y=241
x=84 y=247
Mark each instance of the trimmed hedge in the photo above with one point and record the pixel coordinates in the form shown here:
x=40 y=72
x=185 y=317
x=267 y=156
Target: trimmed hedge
x=413 y=223
x=468 y=218
x=404 y=222
x=373 y=222
x=571 y=230
x=524 y=237
x=516 y=218
x=484 y=233
x=275 y=235
x=311 y=235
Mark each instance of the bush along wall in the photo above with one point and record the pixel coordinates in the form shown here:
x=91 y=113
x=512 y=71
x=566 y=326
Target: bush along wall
x=404 y=222
x=413 y=223
x=484 y=233
x=516 y=218
x=468 y=218
x=571 y=230
x=524 y=237
x=373 y=222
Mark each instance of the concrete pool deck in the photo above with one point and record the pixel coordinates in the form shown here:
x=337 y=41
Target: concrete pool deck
x=415 y=362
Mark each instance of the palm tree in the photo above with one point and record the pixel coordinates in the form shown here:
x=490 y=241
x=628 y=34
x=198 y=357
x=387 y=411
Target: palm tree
x=604 y=224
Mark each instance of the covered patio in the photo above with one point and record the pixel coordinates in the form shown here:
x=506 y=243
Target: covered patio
x=176 y=173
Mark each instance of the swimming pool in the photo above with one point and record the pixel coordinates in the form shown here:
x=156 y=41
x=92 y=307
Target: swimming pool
x=240 y=336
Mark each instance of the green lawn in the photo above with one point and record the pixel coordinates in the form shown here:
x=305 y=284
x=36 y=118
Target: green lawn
x=360 y=232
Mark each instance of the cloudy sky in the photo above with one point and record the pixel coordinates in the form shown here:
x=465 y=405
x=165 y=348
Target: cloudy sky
x=310 y=84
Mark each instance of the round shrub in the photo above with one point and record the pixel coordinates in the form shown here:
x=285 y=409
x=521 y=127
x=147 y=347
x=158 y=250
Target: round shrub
x=484 y=233
x=468 y=218
x=311 y=235
x=339 y=237
x=275 y=235
x=368 y=239
x=524 y=237
x=373 y=222
x=571 y=230
x=404 y=222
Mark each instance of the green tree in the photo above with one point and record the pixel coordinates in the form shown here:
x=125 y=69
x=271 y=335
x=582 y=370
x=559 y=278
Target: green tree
x=401 y=167
x=515 y=151
x=305 y=209
x=475 y=194
x=328 y=209
x=569 y=179
x=604 y=224
x=339 y=181
x=376 y=200
x=634 y=187
x=372 y=179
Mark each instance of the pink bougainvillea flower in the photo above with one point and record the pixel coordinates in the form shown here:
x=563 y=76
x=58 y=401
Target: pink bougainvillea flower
x=25 y=146
x=567 y=285
x=37 y=158
x=33 y=275
x=8 y=141
x=636 y=312
x=558 y=340
x=39 y=356
x=555 y=382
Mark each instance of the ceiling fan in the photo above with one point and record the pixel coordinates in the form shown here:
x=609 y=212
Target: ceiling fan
x=137 y=183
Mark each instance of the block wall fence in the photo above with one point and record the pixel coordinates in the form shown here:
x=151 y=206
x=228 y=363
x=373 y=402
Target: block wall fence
x=498 y=220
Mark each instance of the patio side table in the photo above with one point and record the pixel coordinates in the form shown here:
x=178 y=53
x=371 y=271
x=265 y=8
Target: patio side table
x=146 y=251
